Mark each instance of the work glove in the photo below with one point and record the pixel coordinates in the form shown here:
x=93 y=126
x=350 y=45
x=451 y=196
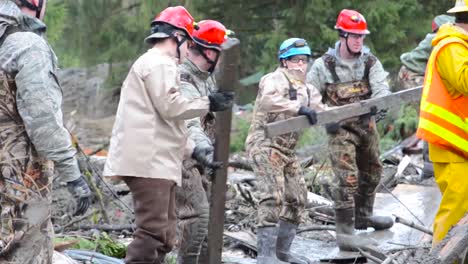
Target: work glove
x=309 y=113
x=377 y=114
x=204 y=156
x=332 y=128
x=220 y=101
x=81 y=192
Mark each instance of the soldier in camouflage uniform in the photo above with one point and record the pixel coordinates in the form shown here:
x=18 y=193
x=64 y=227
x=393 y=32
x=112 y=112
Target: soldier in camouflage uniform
x=412 y=71
x=347 y=74
x=282 y=94
x=197 y=80
x=414 y=62
x=32 y=136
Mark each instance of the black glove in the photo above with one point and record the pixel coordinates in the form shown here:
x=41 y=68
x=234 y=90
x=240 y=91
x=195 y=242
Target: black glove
x=311 y=114
x=204 y=155
x=81 y=192
x=378 y=114
x=332 y=128
x=220 y=101
x=373 y=110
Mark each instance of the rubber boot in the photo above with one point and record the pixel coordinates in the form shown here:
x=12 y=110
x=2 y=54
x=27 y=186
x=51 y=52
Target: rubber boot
x=266 y=246
x=345 y=238
x=286 y=234
x=364 y=218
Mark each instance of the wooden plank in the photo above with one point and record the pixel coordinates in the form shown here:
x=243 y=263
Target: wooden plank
x=228 y=81
x=345 y=112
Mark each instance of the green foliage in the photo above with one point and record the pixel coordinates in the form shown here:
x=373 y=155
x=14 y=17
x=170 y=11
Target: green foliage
x=394 y=130
x=101 y=243
x=312 y=136
x=239 y=134
x=90 y=32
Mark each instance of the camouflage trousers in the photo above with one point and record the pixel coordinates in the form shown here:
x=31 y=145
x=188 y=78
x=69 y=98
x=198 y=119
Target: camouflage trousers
x=354 y=154
x=282 y=189
x=26 y=229
x=409 y=79
x=192 y=213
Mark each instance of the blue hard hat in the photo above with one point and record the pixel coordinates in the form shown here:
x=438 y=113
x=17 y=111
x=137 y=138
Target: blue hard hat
x=293 y=46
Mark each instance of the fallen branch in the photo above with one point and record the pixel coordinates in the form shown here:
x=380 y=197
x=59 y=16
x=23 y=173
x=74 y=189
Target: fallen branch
x=369 y=256
x=391 y=258
x=105 y=227
x=315 y=228
x=401 y=220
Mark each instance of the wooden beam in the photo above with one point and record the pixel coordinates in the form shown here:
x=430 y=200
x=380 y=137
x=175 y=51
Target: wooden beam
x=229 y=78
x=344 y=112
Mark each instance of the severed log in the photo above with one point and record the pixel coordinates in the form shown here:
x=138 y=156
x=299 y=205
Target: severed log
x=345 y=112
x=229 y=79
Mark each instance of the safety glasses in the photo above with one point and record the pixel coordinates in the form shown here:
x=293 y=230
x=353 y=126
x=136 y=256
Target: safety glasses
x=297 y=59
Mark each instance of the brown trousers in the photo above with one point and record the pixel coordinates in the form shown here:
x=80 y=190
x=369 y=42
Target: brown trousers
x=155 y=219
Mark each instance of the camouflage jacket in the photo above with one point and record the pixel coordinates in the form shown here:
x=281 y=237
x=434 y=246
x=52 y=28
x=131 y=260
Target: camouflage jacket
x=280 y=95
x=27 y=58
x=195 y=82
x=349 y=71
x=416 y=59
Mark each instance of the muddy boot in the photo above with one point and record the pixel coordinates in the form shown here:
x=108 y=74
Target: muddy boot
x=286 y=234
x=364 y=218
x=266 y=246
x=345 y=238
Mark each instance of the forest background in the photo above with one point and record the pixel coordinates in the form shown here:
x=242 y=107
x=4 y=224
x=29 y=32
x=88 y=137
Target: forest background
x=89 y=32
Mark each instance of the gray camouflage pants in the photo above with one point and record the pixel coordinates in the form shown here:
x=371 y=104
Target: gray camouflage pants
x=192 y=213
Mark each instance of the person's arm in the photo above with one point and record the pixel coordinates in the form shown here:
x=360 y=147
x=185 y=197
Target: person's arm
x=272 y=97
x=194 y=127
x=39 y=99
x=315 y=99
x=163 y=89
x=314 y=76
x=452 y=65
x=378 y=80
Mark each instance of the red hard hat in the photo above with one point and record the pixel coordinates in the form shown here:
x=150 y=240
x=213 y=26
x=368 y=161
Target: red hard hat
x=352 y=22
x=177 y=17
x=210 y=34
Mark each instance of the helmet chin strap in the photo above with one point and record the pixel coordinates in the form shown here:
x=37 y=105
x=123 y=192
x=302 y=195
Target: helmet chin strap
x=210 y=61
x=179 y=43
x=355 y=54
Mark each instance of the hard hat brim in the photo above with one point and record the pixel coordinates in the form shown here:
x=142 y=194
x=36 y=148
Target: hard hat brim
x=458 y=9
x=156 y=35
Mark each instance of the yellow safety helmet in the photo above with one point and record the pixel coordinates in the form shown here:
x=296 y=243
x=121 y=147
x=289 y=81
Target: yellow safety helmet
x=460 y=6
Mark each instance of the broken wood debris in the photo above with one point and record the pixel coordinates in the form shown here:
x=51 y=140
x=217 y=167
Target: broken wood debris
x=401 y=220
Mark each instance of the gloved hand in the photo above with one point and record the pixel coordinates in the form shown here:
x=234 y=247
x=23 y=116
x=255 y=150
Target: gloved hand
x=220 y=101
x=332 y=128
x=373 y=110
x=378 y=114
x=81 y=192
x=309 y=113
x=204 y=155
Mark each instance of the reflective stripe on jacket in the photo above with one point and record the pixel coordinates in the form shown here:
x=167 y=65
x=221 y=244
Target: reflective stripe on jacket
x=442 y=119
